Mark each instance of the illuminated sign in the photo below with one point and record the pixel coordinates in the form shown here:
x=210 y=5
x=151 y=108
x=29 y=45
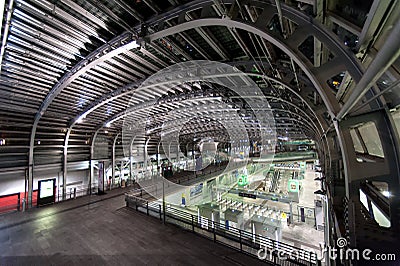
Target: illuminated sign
x=247 y=195
x=46 y=188
x=196 y=190
x=47 y=191
x=243 y=180
x=293 y=185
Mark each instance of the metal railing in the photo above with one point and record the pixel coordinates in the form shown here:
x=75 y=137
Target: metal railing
x=10 y=203
x=16 y=201
x=266 y=249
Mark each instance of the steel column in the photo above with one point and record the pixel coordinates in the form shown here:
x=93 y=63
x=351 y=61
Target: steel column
x=96 y=57
x=113 y=161
x=130 y=159
x=65 y=164
x=145 y=155
x=328 y=98
x=91 y=176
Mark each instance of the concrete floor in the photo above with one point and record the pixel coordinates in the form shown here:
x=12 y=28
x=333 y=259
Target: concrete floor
x=87 y=231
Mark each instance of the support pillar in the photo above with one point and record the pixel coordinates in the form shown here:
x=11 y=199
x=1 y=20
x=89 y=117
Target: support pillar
x=30 y=185
x=177 y=153
x=113 y=161
x=145 y=155
x=158 y=158
x=91 y=176
x=65 y=164
x=386 y=56
x=130 y=160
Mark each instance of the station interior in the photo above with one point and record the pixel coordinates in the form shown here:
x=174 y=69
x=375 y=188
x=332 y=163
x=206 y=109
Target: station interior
x=266 y=127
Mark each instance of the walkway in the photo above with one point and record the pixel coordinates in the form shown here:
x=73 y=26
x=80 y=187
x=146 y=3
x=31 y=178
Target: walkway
x=98 y=230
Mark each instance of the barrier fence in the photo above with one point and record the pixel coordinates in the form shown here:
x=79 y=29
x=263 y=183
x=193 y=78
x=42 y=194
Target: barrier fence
x=15 y=201
x=266 y=249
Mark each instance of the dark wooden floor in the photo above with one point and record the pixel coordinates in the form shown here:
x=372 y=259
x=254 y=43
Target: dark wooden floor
x=87 y=231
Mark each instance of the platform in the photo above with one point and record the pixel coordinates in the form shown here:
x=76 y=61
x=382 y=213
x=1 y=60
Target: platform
x=99 y=230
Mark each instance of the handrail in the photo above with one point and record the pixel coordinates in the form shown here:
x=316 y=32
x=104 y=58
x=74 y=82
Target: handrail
x=249 y=243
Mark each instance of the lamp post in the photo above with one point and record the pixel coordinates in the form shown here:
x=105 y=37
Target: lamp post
x=326 y=228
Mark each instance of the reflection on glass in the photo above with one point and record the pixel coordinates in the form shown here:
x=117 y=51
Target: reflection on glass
x=370 y=135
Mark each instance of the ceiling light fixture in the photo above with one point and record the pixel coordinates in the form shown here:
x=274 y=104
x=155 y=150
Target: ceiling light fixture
x=80 y=119
x=132 y=45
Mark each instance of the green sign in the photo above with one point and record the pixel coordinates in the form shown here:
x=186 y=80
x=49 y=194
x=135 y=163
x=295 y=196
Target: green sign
x=293 y=185
x=243 y=180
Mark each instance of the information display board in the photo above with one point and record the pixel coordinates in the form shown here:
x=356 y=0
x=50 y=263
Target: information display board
x=247 y=195
x=46 y=192
x=196 y=190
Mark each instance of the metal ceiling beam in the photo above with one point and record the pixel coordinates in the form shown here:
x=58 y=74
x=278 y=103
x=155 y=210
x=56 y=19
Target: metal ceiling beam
x=146 y=106
x=192 y=43
x=344 y=24
x=165 y=53
x=328 y=98
x=373 y=24
x=116 y=46
x=106 y=99
x=178 y=49
x=88 y=15
x=245 y=28
x=376 y=96
x=6 y=29
x=126 y=89
x=152 y=6
x=131 y=11
x=210 y=39
x=388 y=54
x=2 y=9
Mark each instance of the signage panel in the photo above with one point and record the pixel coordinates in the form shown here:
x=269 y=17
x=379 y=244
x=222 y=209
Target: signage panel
x=293 y=185
x=247 y=195
x=46 y=192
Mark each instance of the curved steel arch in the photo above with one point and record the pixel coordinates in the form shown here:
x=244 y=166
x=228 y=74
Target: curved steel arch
x=150 y=104
x=128 y=88
x=329 y=99
x=113 y=95
x=305 y=20
x=116 y=46
x=122 y=91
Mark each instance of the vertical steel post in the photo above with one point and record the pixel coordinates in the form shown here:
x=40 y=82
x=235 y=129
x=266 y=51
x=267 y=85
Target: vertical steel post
x=113 y=165
x=65 y=164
